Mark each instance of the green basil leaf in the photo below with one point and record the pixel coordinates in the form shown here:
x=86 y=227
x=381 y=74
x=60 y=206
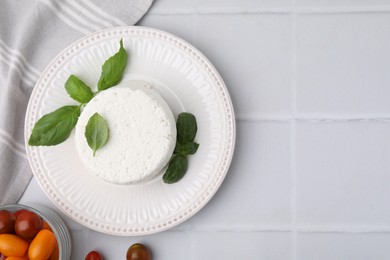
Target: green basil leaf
x=96 y=132
x=78 y=90
x=186 y=149
x=113 y=68
x=176 y=169
x=55 y=127
x=186 y=127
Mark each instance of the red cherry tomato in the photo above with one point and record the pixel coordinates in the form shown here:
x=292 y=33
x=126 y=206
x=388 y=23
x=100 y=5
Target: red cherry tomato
x=138 y=252
x=18 y=212
x=7 y=222
x=94 y=255
x=28 y=224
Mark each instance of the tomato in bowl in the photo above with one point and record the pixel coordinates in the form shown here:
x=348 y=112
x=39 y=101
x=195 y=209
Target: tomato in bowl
x=33 y=233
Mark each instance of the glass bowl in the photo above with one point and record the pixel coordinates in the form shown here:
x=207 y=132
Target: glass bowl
x=58 y=226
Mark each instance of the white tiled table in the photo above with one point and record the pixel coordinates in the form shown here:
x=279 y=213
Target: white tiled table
x=310 y=179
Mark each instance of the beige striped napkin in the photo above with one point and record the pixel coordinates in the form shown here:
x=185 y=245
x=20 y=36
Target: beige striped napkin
x=32 y=33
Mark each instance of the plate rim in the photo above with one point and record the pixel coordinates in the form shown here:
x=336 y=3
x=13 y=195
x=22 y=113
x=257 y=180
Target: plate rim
x=216 y=80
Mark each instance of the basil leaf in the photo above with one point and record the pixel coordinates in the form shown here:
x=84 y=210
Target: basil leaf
x=113 y=68
x=55 y=127
x=78 y=90
x=186 y=130
x=176 y=169
x=96 y=132
x=186 y=149
x=186 y=127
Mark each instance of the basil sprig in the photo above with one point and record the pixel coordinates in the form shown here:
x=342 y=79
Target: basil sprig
x=78 y=90
x=96 y=132
x=186 y=128
x=186 y=149
x=55 y=127
x=112 y=69
x=176 y=169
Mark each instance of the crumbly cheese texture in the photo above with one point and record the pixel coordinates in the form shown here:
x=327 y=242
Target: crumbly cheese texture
x=142 y=133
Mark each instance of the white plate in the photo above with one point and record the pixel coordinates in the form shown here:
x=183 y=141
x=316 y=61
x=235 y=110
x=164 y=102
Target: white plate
x=187 y=81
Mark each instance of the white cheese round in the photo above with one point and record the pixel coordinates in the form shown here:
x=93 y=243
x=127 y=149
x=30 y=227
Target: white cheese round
x=142 y=133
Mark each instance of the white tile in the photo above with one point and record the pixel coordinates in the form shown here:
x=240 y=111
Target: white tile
x=242 y=4
x=170 y=245
x=252 y=53
x=343 y=174
x=342 y=3
x=160 y=6
x=256 y=191
x=179 y=25
x=163 y=246
x=80 y=246
x=343 y=63
x=339 y=246
x=111 y=247
x=241 y=245
x=34 y=193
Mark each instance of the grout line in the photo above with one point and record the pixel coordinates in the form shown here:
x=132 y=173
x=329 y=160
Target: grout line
x=282 y=229
x=167 y=12
x=271 y=10
x=211 y=11
x=343 y=10
x=340 y=119
x=207 y=11
x=343 y=229
x=254 y=118
x=293 y=136
x=312 y=119
x=286 y=229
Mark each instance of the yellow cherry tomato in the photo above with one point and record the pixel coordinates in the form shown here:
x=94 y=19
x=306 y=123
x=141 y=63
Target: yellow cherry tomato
x=12 y=245
x=17 y=258
x=42 y=245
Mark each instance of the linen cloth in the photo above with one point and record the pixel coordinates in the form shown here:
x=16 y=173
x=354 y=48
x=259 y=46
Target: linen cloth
x=32 y=33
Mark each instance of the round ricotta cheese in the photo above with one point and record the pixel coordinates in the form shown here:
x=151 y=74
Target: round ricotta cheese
x=142 y=133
